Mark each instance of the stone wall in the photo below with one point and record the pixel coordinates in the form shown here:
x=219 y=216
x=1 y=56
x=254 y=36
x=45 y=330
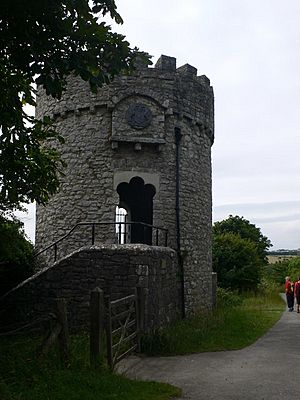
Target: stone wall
x=102 y=144
x=115 y=269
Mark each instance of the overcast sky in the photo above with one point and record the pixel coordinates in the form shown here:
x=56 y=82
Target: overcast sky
x=250 y=52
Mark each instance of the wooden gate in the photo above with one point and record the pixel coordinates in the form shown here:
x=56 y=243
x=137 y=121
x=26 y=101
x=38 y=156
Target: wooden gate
x=123 y=326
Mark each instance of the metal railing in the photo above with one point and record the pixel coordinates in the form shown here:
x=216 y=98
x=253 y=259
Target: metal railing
x=123 y=234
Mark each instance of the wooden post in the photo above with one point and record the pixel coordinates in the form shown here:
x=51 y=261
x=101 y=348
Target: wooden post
x=96 y=325
x=108 y=327
x=63 y=337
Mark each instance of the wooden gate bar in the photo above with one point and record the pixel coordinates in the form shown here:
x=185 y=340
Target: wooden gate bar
x=129 y=325
x=122 y=300
x=130 y=350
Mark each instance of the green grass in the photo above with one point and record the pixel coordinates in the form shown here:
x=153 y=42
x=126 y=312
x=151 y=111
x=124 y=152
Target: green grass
x=23 y=376
x=226 y=328
x=233 y=325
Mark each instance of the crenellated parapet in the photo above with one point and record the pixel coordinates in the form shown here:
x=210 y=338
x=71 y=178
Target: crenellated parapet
x=176 y=92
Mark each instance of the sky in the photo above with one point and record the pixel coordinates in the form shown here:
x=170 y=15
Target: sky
x=250 y=52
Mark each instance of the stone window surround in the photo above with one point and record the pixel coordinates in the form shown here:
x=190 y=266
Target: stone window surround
x=126 y=176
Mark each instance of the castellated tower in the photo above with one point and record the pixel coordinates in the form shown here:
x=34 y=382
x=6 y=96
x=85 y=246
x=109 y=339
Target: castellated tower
x=142 y=143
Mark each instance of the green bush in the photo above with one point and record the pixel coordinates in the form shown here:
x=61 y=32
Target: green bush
x=158 y=341
x=236 y=262
x=5 y=393
x=228 y=298
x=276 y=273
x=242 y=227
x=16 y=254
x=294 y=268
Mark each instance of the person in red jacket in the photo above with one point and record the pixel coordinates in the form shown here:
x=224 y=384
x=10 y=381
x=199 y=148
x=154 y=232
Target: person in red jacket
x=297 y=294
x=289 y=293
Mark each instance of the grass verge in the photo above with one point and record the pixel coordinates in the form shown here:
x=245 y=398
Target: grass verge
x=229 y=327
x=23 y=376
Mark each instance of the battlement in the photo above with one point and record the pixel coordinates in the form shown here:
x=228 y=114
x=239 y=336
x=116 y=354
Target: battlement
x=167 y=65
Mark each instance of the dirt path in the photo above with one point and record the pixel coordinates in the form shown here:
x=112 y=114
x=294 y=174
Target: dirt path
x=267 y=370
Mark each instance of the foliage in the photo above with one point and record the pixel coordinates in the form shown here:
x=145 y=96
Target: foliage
x=16 y=254
x=294 y=268
x=158 y=341
x=25 y=376
x=228 y=298
x=246 y=230
x=228 y=327
x=277 y=272
x=236 y=262
x=42 y=42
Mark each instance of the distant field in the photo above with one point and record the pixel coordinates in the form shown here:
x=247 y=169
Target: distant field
x=274 y=259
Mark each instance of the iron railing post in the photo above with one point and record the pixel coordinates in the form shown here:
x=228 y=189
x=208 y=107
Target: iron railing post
x=93 y=234
x=55 y=251
x=120 y=233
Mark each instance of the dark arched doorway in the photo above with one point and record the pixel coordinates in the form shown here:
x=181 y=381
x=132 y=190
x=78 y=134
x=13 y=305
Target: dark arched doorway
x=137 y=199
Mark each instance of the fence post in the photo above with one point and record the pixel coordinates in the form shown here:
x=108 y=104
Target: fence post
x=108 y=327
x=63 y=337
x=96 y=325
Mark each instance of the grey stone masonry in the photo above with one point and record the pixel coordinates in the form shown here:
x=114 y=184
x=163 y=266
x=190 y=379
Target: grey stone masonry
x=118 y=270
x=126 y=130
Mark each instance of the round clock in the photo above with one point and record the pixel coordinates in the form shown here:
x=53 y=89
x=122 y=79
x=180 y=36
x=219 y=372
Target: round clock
x=138 y=116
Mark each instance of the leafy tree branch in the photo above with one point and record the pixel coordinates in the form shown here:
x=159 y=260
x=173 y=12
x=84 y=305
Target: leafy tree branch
x=41 y=43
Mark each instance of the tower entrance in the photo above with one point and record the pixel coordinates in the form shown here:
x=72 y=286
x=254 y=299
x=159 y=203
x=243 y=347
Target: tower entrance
x=137 y=199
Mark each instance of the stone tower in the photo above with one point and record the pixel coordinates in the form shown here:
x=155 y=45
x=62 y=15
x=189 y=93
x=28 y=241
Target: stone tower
x=142 y=143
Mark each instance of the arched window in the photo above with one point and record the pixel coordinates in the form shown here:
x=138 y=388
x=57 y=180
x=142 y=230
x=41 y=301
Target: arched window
x=121 y=227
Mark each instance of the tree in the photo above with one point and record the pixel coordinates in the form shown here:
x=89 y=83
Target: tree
x=41 y=43
x=236 y=262
x=277 y=272
x=246 y=230
x=16 y=254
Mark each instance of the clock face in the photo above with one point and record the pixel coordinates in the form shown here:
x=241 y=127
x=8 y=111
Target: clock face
x=138 y=116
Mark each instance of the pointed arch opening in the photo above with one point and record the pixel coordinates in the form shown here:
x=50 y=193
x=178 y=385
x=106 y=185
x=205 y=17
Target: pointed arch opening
x=136 y=198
